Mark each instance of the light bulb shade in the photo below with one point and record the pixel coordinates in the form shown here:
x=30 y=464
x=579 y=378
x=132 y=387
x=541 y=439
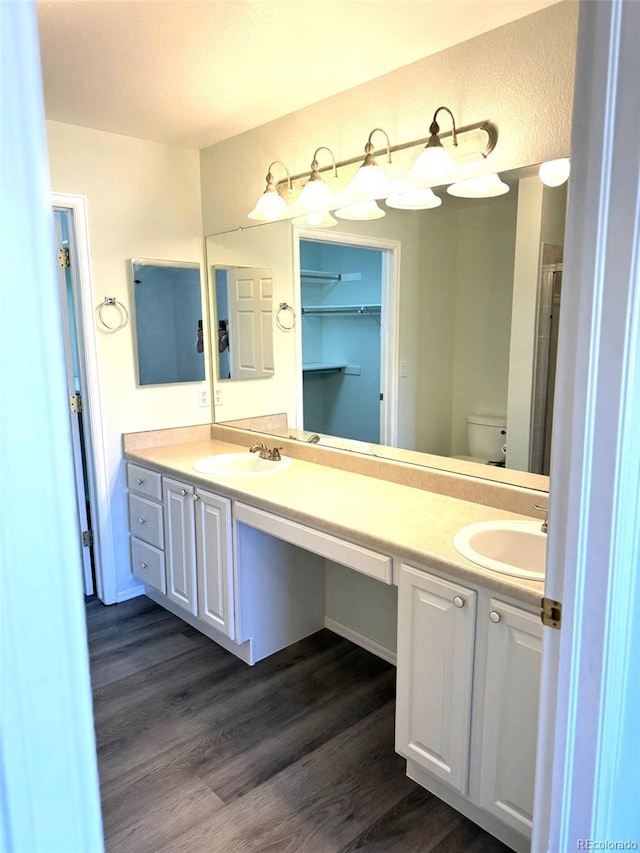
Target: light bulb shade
x=269 y=206
x=414 y=200
x=369 y=182
x=315 y=220
x=482 y=186
x=553 y=173
x=433 y=165
x=361 y=210
x=315 y=195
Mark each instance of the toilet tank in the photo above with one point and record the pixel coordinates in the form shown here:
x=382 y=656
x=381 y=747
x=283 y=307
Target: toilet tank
x=486 y=435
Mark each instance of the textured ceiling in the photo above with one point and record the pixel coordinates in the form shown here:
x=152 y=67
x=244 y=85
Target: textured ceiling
x=195 y=72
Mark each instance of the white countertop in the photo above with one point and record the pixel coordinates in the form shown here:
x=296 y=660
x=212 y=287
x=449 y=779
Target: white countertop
x=405 y=522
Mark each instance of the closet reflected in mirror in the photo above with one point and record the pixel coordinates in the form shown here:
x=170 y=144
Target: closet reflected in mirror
x=243 y=320
x=168 y=321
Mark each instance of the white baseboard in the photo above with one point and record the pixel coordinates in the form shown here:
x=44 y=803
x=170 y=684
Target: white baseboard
x=360 y=640
x=132 y=592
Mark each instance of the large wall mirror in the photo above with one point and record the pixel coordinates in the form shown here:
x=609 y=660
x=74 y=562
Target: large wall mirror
x=168 y=321
x=474 y=319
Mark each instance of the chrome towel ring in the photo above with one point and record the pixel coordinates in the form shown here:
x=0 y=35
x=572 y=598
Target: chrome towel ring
x=122 y=312
x=285 y=326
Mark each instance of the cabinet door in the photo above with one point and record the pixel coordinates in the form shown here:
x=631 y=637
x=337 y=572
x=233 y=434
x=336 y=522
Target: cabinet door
x=510 y=720
x=214 y=561
x=180 y=551
x=436 y=626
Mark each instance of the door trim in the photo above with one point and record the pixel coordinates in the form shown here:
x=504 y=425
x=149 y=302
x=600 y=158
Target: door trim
x=97 y=471
x=389 y=320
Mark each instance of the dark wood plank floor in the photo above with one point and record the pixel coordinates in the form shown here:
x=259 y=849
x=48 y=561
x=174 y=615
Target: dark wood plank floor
x=199 y=753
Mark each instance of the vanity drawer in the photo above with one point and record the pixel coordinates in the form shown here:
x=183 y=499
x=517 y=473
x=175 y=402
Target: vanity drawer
x=145 y=520
x=147 y=564
x=144 y=482
x=348 y=554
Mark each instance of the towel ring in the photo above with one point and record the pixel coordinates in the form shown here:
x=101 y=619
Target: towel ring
x=124 y=314
x=284 y=326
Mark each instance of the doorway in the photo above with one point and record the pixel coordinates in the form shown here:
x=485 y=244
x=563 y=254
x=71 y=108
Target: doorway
x=347 y=339
x=66 y=254
x=78 y=319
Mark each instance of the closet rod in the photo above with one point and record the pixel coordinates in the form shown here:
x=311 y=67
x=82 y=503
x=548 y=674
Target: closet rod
x=342 y=309
x=331 y=276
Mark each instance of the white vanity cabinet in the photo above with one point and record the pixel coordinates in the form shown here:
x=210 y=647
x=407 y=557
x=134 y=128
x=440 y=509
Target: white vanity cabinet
x=436 y=620
x=146 y=526
x=467 y=699
x=214 y=561
x=510 y=713
x=180 y=543
x=198 y=553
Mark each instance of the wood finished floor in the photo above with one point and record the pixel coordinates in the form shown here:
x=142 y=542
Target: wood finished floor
x=199 y=753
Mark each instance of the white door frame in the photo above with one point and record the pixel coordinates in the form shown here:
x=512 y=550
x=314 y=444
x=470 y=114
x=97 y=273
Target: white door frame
x=389 y=320
x=586 y=782
x=96 y=462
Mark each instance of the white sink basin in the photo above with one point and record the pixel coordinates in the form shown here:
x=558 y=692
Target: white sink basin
x=239 y=464
x=516 y=548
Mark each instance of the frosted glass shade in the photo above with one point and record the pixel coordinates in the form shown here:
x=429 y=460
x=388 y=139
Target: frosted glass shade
x=434 y=165
x=269 y=206
x=369 y=182
x=414 y=200
x=361 y=210
x=482 y=186
x=553 y=173
x=315 y=195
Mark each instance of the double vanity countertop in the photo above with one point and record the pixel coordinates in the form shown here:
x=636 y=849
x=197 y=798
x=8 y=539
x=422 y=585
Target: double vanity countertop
x=405 y=522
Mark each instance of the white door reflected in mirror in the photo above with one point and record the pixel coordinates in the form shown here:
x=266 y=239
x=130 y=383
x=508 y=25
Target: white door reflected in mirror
x=244 y=318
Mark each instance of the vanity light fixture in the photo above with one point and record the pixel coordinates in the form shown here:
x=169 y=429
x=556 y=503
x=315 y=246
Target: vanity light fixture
x=370 y=181
x=361 y=210
x=482 y=186
x=315 y=194
x=435 y=164
x=553 y=173
x=270 y=206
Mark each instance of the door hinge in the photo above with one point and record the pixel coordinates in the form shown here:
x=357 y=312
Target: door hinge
x=87 y=538
x=75 y=403
x=63 y=258
x=551 y=613
x=381 y=396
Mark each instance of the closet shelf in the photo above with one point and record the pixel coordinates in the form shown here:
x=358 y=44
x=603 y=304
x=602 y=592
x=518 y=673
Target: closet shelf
x=322 y=276
x=324 y=367
x=341 y=309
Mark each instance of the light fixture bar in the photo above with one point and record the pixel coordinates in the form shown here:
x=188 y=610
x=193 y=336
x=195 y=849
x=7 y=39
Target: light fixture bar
x=486 y=126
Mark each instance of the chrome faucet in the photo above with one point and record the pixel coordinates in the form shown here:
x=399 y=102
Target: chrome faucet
x=263 y=451
x=545 y=524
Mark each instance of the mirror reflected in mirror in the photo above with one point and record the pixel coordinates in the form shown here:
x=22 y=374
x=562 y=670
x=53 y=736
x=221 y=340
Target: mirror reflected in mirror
x=168 y=321
x=243 y=319
x=468 y=331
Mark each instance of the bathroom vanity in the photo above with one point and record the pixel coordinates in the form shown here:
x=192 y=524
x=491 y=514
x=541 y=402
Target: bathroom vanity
x=242 y=557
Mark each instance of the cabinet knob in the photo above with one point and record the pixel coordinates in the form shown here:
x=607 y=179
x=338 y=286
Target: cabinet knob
x=185 y=492
x=196 y=496
x=143 y=565
x=494 y=616
x=458 y=601
x=139 y=481
x=141 y=520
